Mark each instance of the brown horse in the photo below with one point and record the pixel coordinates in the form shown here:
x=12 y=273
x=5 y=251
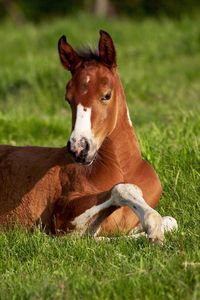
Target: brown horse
x=98 y=183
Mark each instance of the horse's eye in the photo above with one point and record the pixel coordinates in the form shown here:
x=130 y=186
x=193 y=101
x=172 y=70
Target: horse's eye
x=106 y=96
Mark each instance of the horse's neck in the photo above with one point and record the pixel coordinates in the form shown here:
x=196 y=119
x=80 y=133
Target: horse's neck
x=120 y=153
x=123 y=144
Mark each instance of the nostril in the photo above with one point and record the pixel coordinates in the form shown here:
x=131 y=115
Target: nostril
x=83 y=154
x=85 y=144
x=79 y=151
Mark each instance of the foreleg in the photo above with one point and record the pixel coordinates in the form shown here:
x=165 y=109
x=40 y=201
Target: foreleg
x=131 y=196
x=85 y=215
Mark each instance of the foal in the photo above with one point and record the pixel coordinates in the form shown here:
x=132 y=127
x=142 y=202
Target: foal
x=99 y=184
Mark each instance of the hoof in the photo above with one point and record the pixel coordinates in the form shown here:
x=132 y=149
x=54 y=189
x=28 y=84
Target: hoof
x=169 y=224
x=153 y=227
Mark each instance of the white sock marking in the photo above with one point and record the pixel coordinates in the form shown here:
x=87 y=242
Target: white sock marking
x=81 y=221
x=122 y=195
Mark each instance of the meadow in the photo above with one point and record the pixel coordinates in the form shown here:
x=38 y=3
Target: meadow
x=159 y=63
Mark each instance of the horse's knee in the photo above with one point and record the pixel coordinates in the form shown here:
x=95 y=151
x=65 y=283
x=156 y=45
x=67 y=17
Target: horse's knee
x=125 y=191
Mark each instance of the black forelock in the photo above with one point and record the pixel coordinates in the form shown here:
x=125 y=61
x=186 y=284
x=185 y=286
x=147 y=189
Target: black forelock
x=88 y=54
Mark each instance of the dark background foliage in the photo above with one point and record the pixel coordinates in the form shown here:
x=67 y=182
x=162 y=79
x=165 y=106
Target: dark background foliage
x=36 y=10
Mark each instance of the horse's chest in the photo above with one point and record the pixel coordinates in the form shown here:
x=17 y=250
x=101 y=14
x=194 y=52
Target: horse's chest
x=75 y=183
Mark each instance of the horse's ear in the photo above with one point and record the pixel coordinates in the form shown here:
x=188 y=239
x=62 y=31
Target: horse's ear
x=68 y=57
x=107 y=51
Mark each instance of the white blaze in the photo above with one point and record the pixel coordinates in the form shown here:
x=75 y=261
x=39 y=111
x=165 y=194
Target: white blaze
x=82 y=126
x=83 y=129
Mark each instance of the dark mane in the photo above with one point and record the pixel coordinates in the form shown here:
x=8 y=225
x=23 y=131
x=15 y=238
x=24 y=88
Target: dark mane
x=88 y=53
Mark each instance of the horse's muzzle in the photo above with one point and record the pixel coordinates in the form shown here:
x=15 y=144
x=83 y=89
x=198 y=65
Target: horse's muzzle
x=79 y=151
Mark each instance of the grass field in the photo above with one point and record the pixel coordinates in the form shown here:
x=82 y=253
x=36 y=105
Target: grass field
x=159 y=64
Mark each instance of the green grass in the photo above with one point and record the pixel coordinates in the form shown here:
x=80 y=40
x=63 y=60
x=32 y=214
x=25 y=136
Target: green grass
x=159 y=64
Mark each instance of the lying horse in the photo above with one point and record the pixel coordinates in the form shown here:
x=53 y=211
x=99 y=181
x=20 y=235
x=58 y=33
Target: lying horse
x=98 y=184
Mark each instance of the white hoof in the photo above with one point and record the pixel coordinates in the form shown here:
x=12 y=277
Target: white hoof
x=153 y=227
x=169 y=224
